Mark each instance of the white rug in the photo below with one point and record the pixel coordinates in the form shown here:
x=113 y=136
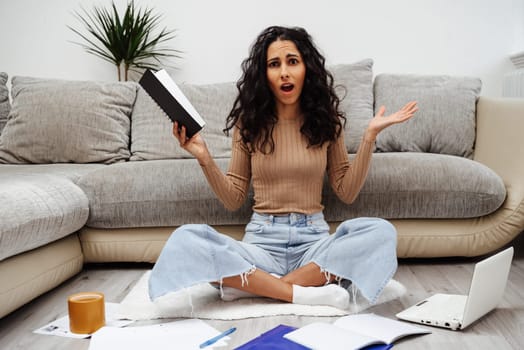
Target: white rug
x=203 y=301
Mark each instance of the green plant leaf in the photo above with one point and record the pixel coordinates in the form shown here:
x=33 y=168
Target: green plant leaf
x=133 y=39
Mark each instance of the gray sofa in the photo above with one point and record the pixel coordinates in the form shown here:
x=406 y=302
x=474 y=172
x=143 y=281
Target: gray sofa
x=91 y=173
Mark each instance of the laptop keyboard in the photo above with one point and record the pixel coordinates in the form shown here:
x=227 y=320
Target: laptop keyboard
x=445 y=307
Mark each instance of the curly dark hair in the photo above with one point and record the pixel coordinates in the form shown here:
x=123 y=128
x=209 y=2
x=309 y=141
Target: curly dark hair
x=254 y=109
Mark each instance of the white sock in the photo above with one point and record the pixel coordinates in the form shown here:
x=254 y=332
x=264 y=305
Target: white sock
x=331 y=295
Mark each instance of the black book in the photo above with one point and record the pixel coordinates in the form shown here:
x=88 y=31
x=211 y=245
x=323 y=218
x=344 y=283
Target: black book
x=168 y=96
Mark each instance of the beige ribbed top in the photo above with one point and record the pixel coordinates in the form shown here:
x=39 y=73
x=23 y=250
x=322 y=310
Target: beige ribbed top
x=290 y=179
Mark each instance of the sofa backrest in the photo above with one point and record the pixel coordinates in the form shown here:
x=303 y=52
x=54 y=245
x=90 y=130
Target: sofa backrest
x=136 y=129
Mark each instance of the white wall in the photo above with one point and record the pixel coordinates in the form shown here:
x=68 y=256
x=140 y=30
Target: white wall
x=456 y=37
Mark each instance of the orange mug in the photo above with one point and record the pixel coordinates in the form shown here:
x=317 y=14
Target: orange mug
x=86 y=312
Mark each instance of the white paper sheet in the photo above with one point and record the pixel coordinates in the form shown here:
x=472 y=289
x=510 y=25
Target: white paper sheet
x=180 y=335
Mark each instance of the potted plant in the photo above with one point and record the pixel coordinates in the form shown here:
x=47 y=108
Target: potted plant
x=131 y=42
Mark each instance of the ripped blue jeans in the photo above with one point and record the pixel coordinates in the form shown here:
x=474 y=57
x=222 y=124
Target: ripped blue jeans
x=361 y=250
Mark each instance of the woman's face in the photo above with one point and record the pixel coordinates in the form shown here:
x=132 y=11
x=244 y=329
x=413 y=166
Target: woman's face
x=285 y=72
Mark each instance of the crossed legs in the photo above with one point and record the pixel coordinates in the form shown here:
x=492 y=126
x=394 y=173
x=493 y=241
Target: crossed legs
x=305 y=285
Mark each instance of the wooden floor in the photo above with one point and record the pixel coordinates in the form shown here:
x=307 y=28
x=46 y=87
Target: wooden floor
x=503 y=328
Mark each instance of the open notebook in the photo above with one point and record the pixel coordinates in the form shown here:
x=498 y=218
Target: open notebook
x=353 y=332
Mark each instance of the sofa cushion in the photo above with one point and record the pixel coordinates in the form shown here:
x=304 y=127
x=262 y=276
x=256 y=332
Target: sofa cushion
x=4 y=100
x=155 y=193
x=354 y=86
x=37 y=209
x=151 y=129
x=408 y=185
x=69 y=171
x=400 y=185
x=445 y=122
x=59 y=121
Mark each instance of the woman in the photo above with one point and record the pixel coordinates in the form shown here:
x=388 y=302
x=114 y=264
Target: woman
x=287 y=132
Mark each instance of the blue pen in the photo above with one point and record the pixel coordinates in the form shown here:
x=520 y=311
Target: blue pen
x=218 y=337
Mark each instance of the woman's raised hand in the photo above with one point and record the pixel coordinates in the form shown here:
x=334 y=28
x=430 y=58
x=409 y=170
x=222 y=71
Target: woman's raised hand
x=380 y=122
x=194 y=145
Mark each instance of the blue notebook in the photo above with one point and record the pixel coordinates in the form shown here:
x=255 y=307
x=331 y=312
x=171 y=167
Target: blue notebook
x=274 y=340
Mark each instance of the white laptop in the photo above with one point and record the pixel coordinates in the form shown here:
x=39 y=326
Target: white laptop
x=459 y=311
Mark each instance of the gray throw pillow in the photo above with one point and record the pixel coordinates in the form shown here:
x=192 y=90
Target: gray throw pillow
x=151 y=129
x=355 y=89
x=61 y=121
x=4 y=100
x=445 y=122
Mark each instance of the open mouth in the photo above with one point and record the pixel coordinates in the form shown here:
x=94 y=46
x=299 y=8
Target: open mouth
x=287 y=87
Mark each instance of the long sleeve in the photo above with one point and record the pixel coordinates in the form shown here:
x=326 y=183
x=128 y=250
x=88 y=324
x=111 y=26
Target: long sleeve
x=347 y=178
x=290 y=179
x=231 y=188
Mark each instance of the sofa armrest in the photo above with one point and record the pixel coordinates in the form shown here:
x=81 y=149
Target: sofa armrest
x=499 y=145
x=500 y=125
